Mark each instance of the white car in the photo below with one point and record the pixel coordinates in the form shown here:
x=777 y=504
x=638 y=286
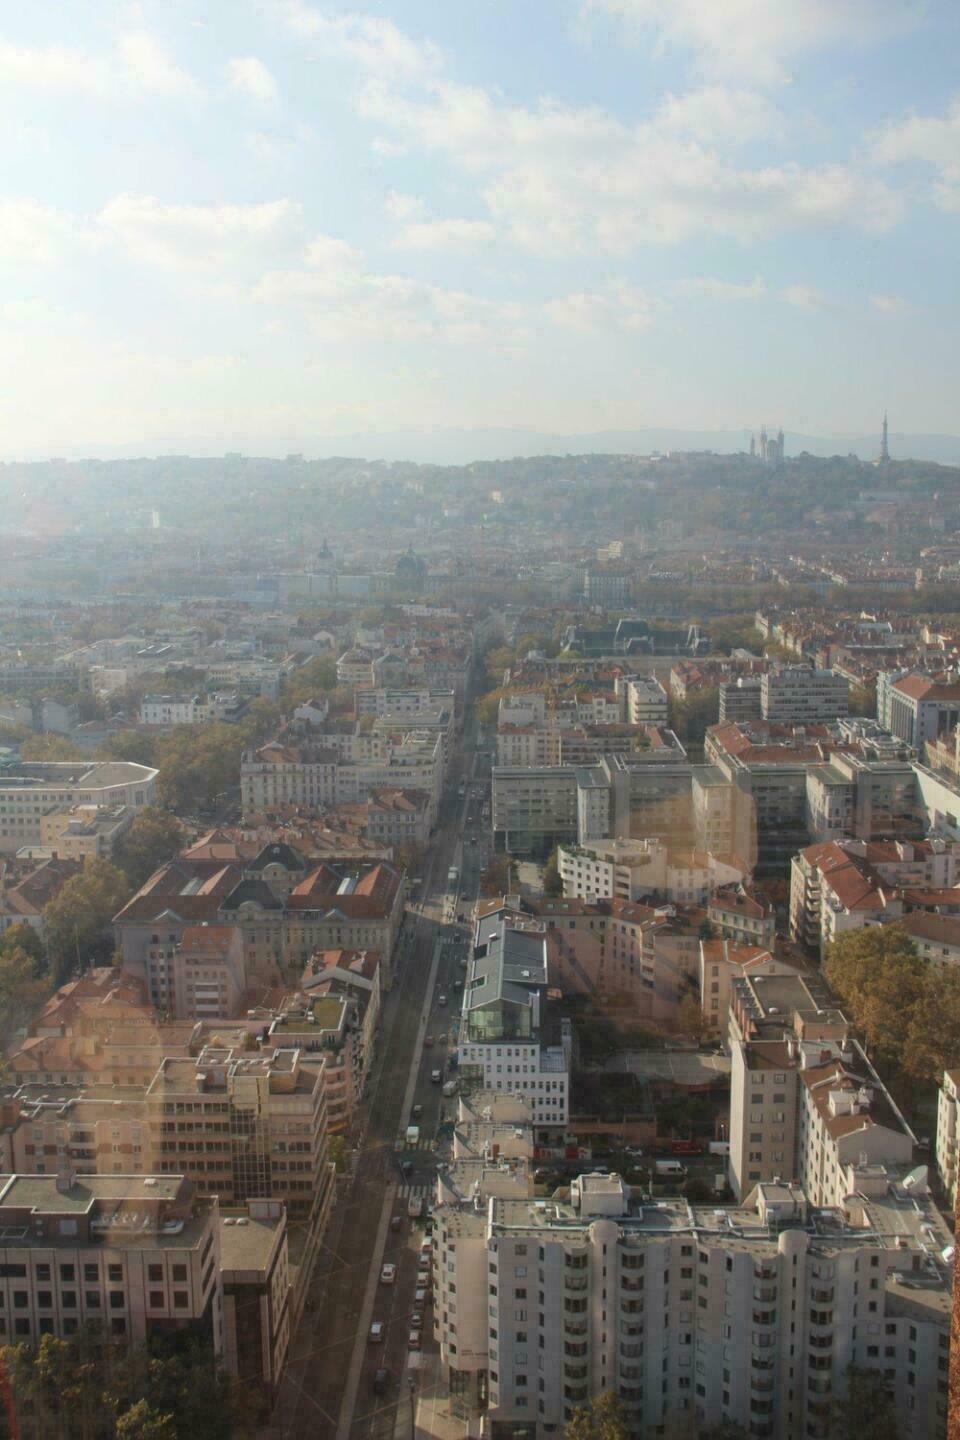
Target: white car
x=376 y=1332
x=441 y=1001
x=388 y=1274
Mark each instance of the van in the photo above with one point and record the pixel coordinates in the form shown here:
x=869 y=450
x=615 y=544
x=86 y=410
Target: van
x=413 y=1134
x=719 y=1147
x=668 y=1169
x=450 y=1088
x=415 y=1207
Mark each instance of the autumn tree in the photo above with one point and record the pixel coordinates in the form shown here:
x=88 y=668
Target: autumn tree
x=23 y=990
x=601 y=1419
x=495 y=879
x=866 y=1409
x=51 y=747
x=154 y=837
x=879 y=979
x=932 y=1040
x=75 y=922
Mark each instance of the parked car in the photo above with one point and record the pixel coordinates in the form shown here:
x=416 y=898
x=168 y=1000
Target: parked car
x=416 y=1320
x=376 y=1333
x=413 y=1340
x=421 y=1296
x=388 y=1273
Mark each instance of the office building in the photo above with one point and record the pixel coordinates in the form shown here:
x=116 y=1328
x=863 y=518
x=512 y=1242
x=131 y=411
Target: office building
x=31 y=789
x=798 y=695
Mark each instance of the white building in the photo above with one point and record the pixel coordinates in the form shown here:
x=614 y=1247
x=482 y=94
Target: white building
x=646 y=700
x=692 y=1315
x=947 y=1134
x=633 y=869
x=798 y=695
x=504 y=1042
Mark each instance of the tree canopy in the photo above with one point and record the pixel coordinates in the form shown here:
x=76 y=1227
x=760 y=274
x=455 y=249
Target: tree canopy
x=604 y=1418
x=866 y=1409
x=154 y=837
x=75 y=921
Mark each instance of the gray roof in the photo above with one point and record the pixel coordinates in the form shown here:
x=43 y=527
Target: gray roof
x=508 y=964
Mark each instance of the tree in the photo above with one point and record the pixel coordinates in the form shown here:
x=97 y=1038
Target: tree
x=132 y=745
x=496 y=876
x=50 y=747
x=316 y=675
x=602 y=1419
x=866 y=1409
x=23 y=991
x=154 y=837
x=932 y=1040
x=690 y=1016
x=143 y=1422
x=75 y=921
x=22 y=937
x=552 y=883
x=690 y=717
x=879 y=978
x=338 y=1153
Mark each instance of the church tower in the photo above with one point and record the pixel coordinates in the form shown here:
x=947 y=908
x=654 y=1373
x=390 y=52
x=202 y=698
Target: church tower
x=884 y=446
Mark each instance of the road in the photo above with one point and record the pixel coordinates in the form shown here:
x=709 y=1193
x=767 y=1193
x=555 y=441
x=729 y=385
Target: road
x=328 y=1387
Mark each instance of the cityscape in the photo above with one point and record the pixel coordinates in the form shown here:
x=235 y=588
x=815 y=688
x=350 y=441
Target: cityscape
x=479 y=720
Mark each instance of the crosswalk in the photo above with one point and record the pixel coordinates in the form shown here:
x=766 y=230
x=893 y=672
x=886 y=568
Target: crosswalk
x=419 y=1191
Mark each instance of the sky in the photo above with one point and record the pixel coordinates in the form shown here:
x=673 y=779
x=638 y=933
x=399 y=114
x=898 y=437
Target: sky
x=254 y=223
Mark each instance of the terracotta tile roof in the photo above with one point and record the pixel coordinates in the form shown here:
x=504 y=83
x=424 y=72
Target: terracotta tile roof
x=923 y=687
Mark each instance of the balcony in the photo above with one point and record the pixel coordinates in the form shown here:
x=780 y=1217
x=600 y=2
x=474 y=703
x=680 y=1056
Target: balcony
x=576 y=1283
x=762 y=1384
x=765 y=1293
x=631 y=1286
x=822 y=1297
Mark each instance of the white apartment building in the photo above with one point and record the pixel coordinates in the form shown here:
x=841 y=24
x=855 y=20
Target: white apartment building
x=504 y=1040
x=137 y=1254
x=947 y=1102
x=922 y=707
x=166 y=711
x=646 y=700
x=31 y=789
x=633 y=869
x=740 y=699
x=691 y=1315
x=402 y=699
x=797 y=695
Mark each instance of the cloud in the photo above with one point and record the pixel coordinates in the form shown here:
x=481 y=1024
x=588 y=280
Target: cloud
x=716 y=113
x=757 y=39
x=250 y=77
x=402 y=207
x=449 y=234
x=150 y=68
x=32 y=233
x=372 y=42
x=713 y=289
x=804 y=297
x=139 y=66
x=927 y=140
x=890 y=304
x=200 y=237
x=621 y=307
x=562 y=180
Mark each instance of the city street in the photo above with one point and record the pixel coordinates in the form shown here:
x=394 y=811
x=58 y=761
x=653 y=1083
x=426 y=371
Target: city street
x=328 y=1391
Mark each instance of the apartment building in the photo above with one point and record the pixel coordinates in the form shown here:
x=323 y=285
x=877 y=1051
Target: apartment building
x=256 y=1280
x=921 y=707
x=646 y=700
x=805 y=1102
x=164 y=712
x=244 y=1126
x=137 y=1254
x=400 y=817
x=867 y=799
x=741 y=699
x=946 y=1150
x=798 y=695
x=205 y=976
x=299 y=775
x=31 y=789
x=534 y=807
x=85 y=832
x=625 y=869
x=509 y=1038
x=23 y=896
x=327 y=1028
x=402 y=699
x=739 y=915
x=846 y=884
x=749 y=1315
x=722 y=962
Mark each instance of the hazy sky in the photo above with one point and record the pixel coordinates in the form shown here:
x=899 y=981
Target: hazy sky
x=251 y=222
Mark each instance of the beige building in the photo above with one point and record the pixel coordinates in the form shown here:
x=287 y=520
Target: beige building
x=85 y=832
x=947 y=1167
x=34 y=788
x=255 y=1273
x=138 y=1254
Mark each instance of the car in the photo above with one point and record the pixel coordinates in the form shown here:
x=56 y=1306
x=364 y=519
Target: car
x=416 y=1112
x=406 y=1167
x=458 y=983
x=426 y=1246
x=380 y=1382
x=396 y=1221
x=388 y=1273
x=436 y=1076
x=413 y=1340
x=441 y=1001
x=416 y=1320
x=423 y=1269
x=376 y=1333
x=427 y=1042
x=421 y=1296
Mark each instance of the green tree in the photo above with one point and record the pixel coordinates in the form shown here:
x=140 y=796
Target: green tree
x=552 y=883
x=602 y=1419
x=866 y=1409
x=154 y=837
x=319 y=674
x=690 y=717
x=879 y=979
x=76 y=920
x=690 y=1017
x=338 y=1153
x=133 y=745
x=22 y=937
